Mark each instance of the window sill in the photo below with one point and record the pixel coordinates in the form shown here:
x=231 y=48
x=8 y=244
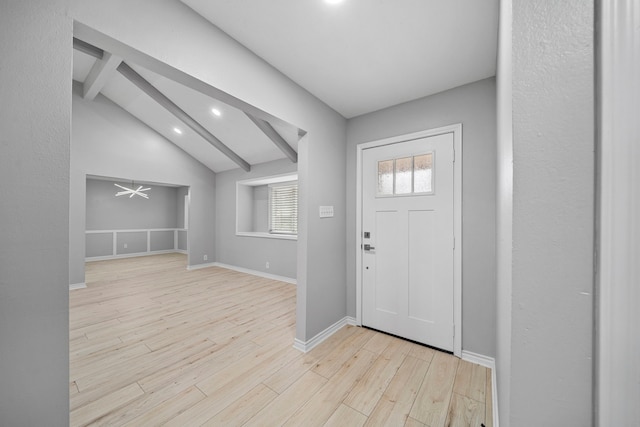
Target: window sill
x=266 y=235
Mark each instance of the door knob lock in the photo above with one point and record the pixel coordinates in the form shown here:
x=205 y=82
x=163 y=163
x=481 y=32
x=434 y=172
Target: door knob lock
x=368 y=247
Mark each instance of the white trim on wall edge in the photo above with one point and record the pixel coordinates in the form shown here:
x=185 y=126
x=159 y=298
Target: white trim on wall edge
x=256 y=273
x=306 y=346
x=132 y=255
x=617 y=351
x=487 y=362
x=75 y=286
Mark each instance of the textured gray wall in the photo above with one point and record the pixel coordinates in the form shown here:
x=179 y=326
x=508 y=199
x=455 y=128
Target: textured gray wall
x=244 y=251
x=35 y=117
x=101 y=131
x=553 y=206
x=105 y=211
x=473 y=105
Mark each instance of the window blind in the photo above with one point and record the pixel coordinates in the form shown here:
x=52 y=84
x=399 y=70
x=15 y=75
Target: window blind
x=283 y=208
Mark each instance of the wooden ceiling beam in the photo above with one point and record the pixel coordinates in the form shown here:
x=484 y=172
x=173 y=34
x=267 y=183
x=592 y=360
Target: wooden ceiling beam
x=100 y=74
x=135 y=78
x=275 y=137
x=87 y=48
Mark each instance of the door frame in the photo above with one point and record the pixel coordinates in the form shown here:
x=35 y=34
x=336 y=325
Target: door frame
x=456 y=129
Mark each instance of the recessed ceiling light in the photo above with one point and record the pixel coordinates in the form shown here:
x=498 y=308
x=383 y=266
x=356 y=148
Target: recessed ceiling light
x=216 y=112
x=333 y=1
x=177 y=130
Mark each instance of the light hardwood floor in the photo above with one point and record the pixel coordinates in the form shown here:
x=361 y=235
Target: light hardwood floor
x=154 y=344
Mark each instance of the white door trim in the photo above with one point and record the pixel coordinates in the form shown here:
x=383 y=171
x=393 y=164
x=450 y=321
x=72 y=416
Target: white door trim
x=456 y=129
x=618 y=89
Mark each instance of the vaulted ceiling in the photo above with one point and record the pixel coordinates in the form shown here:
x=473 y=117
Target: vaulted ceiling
x=358 y=56
x=232 y=127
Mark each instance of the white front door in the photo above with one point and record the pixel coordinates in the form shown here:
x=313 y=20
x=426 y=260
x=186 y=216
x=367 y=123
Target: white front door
x=408 y=239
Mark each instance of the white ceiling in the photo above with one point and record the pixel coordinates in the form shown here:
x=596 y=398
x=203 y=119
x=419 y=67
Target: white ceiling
x=363 y=55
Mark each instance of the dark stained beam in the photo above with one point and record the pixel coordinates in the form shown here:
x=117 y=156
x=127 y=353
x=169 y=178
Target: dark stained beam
x=274 y=136
x=135 y=78
x=87 y=48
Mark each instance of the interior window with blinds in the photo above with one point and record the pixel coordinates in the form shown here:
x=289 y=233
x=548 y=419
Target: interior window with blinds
x=283 y=208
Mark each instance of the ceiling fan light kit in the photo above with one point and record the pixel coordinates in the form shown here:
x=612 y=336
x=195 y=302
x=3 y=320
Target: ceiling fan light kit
x=132 y=192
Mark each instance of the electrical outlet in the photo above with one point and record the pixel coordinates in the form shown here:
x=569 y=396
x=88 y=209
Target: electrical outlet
x=125 y=246
x=206 y=257
x=267 y=264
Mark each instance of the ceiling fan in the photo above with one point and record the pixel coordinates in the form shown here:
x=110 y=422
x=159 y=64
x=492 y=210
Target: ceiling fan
x=132 y=192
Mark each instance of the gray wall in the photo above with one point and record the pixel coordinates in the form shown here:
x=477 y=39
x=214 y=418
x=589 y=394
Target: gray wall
x=253 y=208
x=35 y=117
x=261 y=208
x=182 y=240
x=98 y=244
x=553 y=205
x=244 y=204
x=101 y=131
x=245 y=251
x=105 y=211
x=473 y=105
x=181 y=193
x=135 y=242
x=161 y=240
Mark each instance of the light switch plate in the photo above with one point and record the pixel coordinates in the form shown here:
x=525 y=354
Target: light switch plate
x=326 y=211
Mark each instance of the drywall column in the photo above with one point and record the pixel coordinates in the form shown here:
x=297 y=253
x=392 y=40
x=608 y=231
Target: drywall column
x=553 y=213
x=35 y=117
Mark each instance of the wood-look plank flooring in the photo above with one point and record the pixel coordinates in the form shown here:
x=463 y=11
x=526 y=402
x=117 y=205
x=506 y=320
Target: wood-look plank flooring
x=154 y=344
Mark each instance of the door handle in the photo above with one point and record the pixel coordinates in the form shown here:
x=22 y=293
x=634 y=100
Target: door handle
x=368 y=247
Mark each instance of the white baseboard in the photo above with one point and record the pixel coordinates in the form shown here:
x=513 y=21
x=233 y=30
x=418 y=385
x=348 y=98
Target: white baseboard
x=487 y=362
x=352 y=321
x=256 y=273
x=75 y=286
x=482 y=360
x=133 y=255
x=181 y=251
x=306 y=346
x=200 y=266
